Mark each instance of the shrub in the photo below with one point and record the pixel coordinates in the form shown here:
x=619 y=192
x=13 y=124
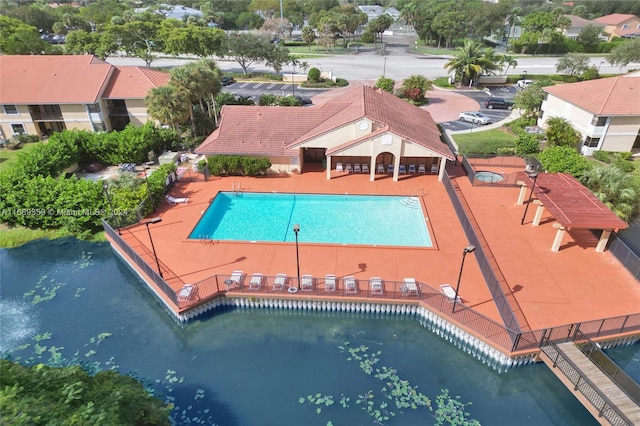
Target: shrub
x=368 y=37
x=268 y=99
x=386 y=84
x=289 y=100
x=563 y=159
x=236 y=165
x=604 y=156
x=314 y=75
x=527 y=144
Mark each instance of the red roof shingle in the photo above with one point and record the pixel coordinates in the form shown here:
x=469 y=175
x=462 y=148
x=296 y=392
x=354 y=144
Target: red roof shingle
x=606 y=96
x=134 y=82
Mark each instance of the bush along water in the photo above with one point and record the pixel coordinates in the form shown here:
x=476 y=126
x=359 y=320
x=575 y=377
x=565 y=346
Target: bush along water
x=395 y=397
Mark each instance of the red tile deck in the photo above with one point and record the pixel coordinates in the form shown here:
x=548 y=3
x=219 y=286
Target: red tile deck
x=576 y=284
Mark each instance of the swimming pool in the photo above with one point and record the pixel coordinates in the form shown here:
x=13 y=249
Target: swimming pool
x=489 y=177
x=331 y=219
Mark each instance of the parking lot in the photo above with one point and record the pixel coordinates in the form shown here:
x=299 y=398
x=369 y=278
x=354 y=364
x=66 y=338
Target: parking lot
x=496 y=115
x=253 y=89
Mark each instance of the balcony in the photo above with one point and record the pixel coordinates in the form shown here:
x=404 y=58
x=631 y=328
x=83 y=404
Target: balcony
x=112 y=110
x=46 y=116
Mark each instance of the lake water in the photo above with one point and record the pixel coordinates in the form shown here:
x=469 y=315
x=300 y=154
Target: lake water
x=244 y=368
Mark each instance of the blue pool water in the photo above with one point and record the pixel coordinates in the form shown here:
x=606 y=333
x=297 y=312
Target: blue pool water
x=250 y=368
x=489 y=177
x=331 y=219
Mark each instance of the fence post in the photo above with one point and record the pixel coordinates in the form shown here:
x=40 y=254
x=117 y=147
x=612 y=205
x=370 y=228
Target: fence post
x=516 y=342
x=624 y=323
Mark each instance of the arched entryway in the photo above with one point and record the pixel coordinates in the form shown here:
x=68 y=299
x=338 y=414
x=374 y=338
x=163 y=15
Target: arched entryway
x=385 y=159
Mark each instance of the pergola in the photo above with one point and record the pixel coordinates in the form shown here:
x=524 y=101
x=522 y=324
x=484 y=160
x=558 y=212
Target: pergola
x=571 y=204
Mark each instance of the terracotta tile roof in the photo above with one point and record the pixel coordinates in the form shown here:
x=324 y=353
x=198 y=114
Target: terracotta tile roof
x=614 y=19
x=579 y=22
x=279 y=130
x=52 y=79
x=606 y=96
x=134 y=82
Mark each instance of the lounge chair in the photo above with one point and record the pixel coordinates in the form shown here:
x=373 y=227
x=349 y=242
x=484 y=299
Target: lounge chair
x=410 y=288
x=179 y=200
x=339 y=167
x=356 y=168
x=434 y=168
x=422 y=170
x=350 y=285
x=188 y=293
x=306 y=283
x=330 y=283
x=365 y=168
x=402 y=170
x=256 y=282
x=390 y=169
x=377 y=288
x=234 y=280
x=412 y=169
x=280 y=282
x=380 y=169
x=349 y=168
x=448 y=292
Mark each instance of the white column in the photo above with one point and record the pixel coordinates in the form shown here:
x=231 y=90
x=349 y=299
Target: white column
x=558 y=239
x=522 y=194
x=372 y=169
x=396 y=166
x=604 y=238
x=441 y=168
x=539 y=211
x=328 y=167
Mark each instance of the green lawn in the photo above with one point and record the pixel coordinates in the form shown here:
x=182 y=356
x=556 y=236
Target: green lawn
x=7 y=156
x=484 y=141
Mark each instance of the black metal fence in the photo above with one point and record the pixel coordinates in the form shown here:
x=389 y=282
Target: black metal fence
x=608 y=367
x=605 y=407
x=507 y=305
x=144 y=266
x=625 y=255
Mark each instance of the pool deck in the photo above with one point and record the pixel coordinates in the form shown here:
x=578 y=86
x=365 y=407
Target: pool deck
x=573 y=285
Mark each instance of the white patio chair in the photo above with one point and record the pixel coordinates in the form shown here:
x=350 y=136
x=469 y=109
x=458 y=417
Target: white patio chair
x=349 y=168
x=339 y=167
x=448 y=292
x=350 y=285
x=279 y=282
x=422 y=169
x=306 y=283
x=256 y=282
x=179 y=200
x=365 y=168
x=330 y=283
x=380 y=169
x=377 y=288
x=356 y=168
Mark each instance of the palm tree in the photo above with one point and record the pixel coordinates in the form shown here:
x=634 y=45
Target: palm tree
x=613 y=187
x=510 y=61
x=469 y=62
x=168 y=105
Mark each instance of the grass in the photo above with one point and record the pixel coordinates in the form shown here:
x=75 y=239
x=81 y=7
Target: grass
x=8 y=156
x=15 y=236
x=484 y=141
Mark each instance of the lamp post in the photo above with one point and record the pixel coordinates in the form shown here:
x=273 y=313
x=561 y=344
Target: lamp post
x=149 y=222
x=468 y=249
x=105 y=188
x=296 y=229
x=293 y=80
x=601 y=62
x=384 y=68
x=533 y=175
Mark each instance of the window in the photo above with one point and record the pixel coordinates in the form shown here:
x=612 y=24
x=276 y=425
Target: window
x=10 y=109
x=93 y=107
x=625 y=27
x=18 y=129
x=590 y=142
x=599 y=121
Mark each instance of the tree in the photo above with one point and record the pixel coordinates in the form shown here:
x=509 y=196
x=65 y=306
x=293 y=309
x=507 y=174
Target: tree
x=39 y=17
x=386 y=84
x=613 y=187
x=168 y=105
x=277 y=28
x=415 y=87
x=80 y=42
x=42 y=395
x=510 y=61
x=563 y=159
x=191 y=39
x=448 y=24
x=573 y=64
x=379 y=25
x=530 y=100
x=246 y=48
x=308 y=35
x=140 y=36
x=627 y=52
x=469 y=62
x=560 y=132
x=589 y=36
x=17 y=38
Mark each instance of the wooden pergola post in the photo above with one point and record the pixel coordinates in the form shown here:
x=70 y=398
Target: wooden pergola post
x=604 y=239
x=555 y=247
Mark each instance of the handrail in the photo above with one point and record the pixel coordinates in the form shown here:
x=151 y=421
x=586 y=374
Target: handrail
x=608 y=367
x=587 y=388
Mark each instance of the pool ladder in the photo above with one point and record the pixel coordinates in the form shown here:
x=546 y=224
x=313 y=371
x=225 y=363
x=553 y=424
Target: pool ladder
x=236 y=188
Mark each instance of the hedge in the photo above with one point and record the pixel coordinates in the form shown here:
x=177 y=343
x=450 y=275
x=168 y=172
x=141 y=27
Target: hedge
x=236 y=165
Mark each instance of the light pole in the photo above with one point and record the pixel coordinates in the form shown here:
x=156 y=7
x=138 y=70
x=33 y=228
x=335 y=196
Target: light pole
x=384 y=68
x=293 y=80
x=467 y=249
x=149 y=222
x=296 y=229
x=105 y=188
x=601 y=62
x=533 y=175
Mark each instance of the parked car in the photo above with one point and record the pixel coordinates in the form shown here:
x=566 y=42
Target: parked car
x=498 y=103
x=474 y=117
x=523 y=84
x=227 y=80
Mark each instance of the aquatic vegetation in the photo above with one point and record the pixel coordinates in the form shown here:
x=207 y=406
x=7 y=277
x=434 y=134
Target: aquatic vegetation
x=43 y=292
x=396 y=394
x=84 y=262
